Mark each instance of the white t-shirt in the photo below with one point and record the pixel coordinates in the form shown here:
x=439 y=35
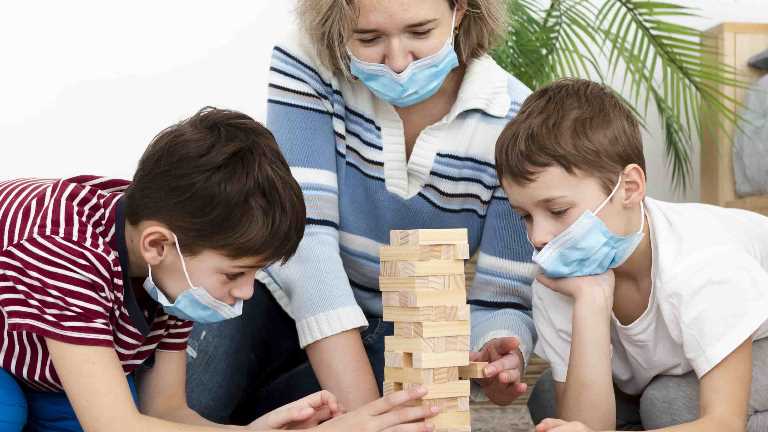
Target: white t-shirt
x=709 y=293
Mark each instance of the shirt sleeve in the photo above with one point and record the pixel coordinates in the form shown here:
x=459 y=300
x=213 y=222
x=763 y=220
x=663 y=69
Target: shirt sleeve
x=176 y=336
x=500 y=294
x=717 y=300
x=313 y=285
x=59 y=290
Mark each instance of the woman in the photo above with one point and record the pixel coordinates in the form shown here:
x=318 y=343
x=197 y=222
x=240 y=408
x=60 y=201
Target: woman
x=388 y=113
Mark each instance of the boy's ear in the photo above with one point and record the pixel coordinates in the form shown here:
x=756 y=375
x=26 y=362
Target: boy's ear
x=155 y=243
x=633 y=185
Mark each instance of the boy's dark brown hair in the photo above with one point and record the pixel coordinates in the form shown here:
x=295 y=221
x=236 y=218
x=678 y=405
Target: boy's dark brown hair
x=577 y=124
x=219 y=181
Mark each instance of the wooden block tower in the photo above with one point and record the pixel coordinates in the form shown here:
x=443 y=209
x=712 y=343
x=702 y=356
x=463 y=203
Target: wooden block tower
x=424 y=293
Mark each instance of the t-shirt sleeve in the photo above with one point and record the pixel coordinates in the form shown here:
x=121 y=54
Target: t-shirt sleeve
x=552 y=316
x=57 y=289
x=176 y=336
x=718 y=299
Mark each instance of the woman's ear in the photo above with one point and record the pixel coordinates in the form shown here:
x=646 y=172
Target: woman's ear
x=633 y=185
x=154 y=243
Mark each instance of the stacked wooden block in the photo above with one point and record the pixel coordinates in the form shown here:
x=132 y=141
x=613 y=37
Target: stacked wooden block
x=424 y=294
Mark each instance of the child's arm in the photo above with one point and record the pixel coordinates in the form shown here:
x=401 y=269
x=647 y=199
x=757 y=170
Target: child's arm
x=587 y=395
x=723 y=399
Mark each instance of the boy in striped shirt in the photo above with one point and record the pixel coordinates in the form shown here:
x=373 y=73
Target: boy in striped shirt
x=100 y=280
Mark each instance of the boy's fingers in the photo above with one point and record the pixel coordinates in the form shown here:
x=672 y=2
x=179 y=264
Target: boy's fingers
x=393 y=400
x=508 y=363
x=413 y=427
x=548 y=424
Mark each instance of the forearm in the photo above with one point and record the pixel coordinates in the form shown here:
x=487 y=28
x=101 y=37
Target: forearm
x=588 y=396
x=709 y=424
x=188 y=416
x=342 y=367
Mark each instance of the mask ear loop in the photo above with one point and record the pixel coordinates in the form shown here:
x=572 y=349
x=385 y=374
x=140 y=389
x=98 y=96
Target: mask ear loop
x=613 y=192
x=183 y=266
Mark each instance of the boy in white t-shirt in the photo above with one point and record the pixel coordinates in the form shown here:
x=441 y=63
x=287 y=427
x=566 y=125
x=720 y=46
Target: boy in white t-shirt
x=633 y=288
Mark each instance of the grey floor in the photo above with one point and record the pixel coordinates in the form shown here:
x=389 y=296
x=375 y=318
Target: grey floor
x=488 y=418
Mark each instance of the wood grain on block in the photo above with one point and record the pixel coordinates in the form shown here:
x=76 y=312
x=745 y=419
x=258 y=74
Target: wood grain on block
x=473 y=370
x=452 y=421
x=427 y=313
x=421 y=376
x=419 y=344
x=459 y=388
x=424 y=298
x=440 y=283
x=421 y=268
x=421 y=237
x=391 y=387
x=438 y=360
x=399 y=359
x=445 y=404
x=424 y=253
x=431 y=329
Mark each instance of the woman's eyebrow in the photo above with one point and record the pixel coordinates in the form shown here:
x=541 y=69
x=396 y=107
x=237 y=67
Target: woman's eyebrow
x=409 y=26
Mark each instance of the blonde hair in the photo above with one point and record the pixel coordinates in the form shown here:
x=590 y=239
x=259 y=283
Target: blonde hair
x=328 y=23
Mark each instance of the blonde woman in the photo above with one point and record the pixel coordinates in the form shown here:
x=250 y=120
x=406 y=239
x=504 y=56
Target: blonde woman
x=388 y=113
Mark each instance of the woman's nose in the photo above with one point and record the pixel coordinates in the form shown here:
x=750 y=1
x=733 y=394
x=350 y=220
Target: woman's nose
x=397 y=57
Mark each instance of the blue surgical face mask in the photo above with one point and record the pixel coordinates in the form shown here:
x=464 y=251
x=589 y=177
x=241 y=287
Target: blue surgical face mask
x=588 y=247
x=418 y=82
x=194 y=304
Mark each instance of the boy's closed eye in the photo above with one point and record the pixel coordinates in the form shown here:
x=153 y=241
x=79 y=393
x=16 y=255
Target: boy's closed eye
x=234 y=276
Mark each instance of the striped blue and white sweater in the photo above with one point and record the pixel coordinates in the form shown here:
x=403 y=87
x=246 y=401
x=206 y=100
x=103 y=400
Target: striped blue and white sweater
x=346 y=148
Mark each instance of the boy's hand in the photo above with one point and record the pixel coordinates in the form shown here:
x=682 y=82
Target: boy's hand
x=388 y=414
x=305 y=413
x=555 y=425
x=588 y=288
x=502 y=383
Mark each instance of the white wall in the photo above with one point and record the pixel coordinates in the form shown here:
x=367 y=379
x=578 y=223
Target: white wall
x=85 y=84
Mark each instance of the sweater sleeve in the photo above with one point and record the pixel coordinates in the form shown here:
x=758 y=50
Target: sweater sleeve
x=500 y=294
x=313 y=286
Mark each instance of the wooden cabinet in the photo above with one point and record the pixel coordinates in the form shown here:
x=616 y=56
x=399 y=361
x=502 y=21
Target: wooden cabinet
x=734 y=44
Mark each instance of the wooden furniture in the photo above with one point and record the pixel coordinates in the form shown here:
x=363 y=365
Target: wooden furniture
x=734 y=44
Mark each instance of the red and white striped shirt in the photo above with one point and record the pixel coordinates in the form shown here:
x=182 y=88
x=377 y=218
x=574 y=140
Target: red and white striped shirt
x=63 y=275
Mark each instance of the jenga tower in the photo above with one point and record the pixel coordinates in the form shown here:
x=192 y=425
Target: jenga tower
x=424 y=293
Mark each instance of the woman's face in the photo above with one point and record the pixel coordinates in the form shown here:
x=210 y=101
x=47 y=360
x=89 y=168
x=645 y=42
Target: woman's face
x=397 y=32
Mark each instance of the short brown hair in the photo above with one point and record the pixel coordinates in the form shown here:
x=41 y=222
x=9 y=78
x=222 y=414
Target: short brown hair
x=329 y=23
x=573 y=123
x=219 y=181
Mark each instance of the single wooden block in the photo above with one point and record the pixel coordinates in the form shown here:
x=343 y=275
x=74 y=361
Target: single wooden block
x=424 y=253
x=418 y=344
x=428 y=237
x=398 y=359
x=439 y=360
x=421 y=376
x=424 y=298
x=445 y=404
x=427 y=313
x=452 y=421
x=421 y=268
x=432 y=329
x=439 y=283
x=391 y=387
x=450 y=389
x=473 y=370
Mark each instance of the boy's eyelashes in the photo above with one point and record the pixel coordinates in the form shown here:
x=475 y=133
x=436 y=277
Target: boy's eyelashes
x=233 y=276
x=559 y=212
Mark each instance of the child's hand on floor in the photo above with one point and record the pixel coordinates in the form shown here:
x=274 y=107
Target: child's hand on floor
x=556 y=425
x=388 y=414
x=502 y=383
x=304 y=413
x=599 y=287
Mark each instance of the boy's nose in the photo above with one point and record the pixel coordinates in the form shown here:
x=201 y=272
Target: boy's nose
x=245 y=290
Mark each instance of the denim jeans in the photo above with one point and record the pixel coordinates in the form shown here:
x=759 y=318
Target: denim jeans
x=240 y=369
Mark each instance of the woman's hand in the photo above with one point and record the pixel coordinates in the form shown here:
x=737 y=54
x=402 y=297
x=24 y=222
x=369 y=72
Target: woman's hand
x=388 y=414
x=305 y=413
x=503 y=376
